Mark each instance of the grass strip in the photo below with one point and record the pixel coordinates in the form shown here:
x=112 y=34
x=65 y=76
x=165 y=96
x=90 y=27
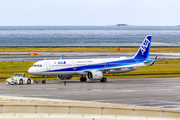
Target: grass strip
x=160 y=69
x=86 y=49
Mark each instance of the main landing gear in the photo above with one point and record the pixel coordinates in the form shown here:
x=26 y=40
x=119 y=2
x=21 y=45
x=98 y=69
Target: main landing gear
x=83 y=79
x=103 y=79
x=44 y=81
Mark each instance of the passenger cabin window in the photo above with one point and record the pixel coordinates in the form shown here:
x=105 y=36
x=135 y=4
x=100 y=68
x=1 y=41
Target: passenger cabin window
x=37 y=65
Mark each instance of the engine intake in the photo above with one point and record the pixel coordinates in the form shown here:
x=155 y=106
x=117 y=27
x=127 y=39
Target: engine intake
x=95 y=75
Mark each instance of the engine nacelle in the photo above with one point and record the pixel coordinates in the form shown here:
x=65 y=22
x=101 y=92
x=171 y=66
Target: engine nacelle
x=95 y=75
x=62 y=77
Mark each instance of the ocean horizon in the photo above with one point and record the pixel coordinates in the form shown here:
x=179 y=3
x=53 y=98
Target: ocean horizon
x=56 y=36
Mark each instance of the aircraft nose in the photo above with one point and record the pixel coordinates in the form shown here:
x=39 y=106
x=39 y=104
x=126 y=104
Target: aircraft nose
x=30 y=71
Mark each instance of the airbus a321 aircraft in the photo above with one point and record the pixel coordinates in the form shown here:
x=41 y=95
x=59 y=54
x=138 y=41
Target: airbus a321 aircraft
x=93 y=69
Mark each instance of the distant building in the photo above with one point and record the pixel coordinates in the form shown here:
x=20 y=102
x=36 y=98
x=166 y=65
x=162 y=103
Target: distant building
x=122 y=25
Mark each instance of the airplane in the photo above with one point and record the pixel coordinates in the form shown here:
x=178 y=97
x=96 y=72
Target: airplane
x=93 y=69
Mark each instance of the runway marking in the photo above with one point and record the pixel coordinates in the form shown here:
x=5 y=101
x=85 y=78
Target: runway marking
x=52 y=88
x=100 y=100
x=38 y=88
x=38 y=95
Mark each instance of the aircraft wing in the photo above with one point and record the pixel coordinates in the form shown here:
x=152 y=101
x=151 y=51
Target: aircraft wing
x=106 y=70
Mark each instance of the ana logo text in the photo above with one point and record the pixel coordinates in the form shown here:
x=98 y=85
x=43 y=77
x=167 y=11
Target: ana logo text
x=144 y=45
x=62 y=62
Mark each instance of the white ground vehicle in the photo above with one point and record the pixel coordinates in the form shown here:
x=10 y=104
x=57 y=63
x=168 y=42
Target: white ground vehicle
x=19 y=78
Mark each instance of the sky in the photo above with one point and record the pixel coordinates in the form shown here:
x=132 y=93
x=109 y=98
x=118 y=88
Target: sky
x=89 y=12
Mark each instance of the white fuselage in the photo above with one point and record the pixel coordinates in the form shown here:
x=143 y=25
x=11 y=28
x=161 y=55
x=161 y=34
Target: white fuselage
x=80 y=66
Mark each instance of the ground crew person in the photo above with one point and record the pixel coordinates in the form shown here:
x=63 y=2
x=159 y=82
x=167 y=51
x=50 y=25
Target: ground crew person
x=65 y=82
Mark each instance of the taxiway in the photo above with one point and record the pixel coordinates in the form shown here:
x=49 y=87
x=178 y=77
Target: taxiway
x=24 y=56
x=155 y=92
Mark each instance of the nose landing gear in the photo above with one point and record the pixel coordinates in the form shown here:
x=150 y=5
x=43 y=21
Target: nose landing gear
x=44 y=81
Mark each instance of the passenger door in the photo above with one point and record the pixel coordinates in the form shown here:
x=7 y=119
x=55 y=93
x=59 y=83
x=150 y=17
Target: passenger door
x=48 y=66
x=74 y=65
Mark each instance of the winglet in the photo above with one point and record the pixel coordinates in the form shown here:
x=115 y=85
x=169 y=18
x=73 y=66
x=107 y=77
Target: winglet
x=154 y=61
x=143 y=52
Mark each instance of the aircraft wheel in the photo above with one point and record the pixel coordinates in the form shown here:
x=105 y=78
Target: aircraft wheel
x=103 y=79
x=83 y=79
x=44 y=81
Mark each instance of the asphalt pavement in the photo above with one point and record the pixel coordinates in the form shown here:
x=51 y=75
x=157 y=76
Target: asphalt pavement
x=155 y=92
x=24 y=56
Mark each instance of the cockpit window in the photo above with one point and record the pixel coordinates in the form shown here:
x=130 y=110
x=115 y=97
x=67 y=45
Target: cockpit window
x=37 y=65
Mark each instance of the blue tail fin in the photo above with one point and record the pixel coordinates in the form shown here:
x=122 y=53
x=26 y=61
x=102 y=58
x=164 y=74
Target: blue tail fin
x=143 y=52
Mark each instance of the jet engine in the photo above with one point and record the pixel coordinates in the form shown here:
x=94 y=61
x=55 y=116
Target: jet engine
x=62 y=77
x=94 y=75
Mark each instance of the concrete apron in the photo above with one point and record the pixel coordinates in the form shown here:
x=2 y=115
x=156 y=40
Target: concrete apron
x=23 y=107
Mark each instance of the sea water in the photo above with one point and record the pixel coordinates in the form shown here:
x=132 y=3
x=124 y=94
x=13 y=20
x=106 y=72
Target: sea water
x=88 y=35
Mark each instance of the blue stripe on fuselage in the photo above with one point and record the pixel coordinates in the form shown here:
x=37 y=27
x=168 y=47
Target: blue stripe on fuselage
x=101 y=65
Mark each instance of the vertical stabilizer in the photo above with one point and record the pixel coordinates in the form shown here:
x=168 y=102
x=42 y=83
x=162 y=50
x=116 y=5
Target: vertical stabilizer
x=143 y=52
